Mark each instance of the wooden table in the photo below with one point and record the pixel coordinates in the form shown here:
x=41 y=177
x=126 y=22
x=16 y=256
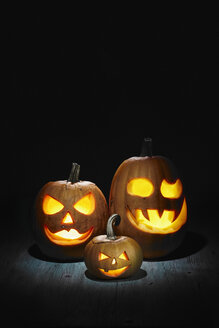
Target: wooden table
x=180 y=290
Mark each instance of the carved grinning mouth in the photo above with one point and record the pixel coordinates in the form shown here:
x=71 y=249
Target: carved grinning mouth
x=156 y=223
x=71 y=237
x=115 y=272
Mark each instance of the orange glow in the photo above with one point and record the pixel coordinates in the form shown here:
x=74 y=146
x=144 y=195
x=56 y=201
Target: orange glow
x=51 y=205
x=154 y=219
x=85 y=205
x=102 y=256
x=171 y=190
x=114 y=273
x=67 y=218
x=124 y=256
x=114 y=261
x=140 y=187
x=71 y=237
x=155 y=223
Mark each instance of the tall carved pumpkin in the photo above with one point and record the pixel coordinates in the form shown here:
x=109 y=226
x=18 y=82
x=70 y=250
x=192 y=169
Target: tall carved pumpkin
x=68 y=214
x=147 y=193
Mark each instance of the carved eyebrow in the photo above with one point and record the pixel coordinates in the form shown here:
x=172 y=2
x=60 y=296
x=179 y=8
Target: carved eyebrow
x=171 y=190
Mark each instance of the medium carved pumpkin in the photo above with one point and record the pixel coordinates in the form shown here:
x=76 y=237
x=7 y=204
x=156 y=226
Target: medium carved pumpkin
x=147 y=193
x=110 y=257
x=68 y=214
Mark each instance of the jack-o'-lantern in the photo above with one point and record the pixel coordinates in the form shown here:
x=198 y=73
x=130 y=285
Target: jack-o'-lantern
x=147 y=193
x=68 y=214
x=110 y=256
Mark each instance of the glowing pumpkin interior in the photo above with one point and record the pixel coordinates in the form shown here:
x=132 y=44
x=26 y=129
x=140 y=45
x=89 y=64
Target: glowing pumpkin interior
x=85 y=205
x=51 y=206
x=171 y=190
x=113 y=272
x=165 y=223
x=140 y=187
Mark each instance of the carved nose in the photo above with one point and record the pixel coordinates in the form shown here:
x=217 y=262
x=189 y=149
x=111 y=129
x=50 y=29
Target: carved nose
x=114 y=261
x=67 y=218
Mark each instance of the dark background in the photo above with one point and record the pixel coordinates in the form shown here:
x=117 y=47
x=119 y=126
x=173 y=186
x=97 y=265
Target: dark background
x=87 y=86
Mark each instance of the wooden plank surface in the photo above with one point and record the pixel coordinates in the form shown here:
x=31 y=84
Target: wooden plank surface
x=180 y=290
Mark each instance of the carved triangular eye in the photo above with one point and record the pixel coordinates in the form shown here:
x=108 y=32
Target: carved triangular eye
x=51 y=205
x=124 y=256
x=102 y=256
x=85 y=205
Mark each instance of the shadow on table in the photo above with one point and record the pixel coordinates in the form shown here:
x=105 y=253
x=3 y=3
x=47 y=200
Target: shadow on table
x=192 y=243
x=35 y=251
x=138 y=275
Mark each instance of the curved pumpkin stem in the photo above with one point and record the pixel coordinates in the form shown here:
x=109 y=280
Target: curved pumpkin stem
x=114 y=219
x=146 y=149
x=74 y=174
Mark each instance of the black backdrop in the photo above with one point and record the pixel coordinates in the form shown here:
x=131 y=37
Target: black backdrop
x=87 y=87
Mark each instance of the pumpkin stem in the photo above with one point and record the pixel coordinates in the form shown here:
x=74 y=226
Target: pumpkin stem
x=74 y=174
x=114 y=219
x=146 y=149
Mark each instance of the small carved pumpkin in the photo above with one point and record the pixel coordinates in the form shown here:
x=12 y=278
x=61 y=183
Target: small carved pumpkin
x=68 y=214
x=148 y=195
x=110 y=257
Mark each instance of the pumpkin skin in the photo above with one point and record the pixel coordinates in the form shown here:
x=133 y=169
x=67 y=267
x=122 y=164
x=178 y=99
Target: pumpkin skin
x=139 y=209
x=113 y=258
x=64 y=234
